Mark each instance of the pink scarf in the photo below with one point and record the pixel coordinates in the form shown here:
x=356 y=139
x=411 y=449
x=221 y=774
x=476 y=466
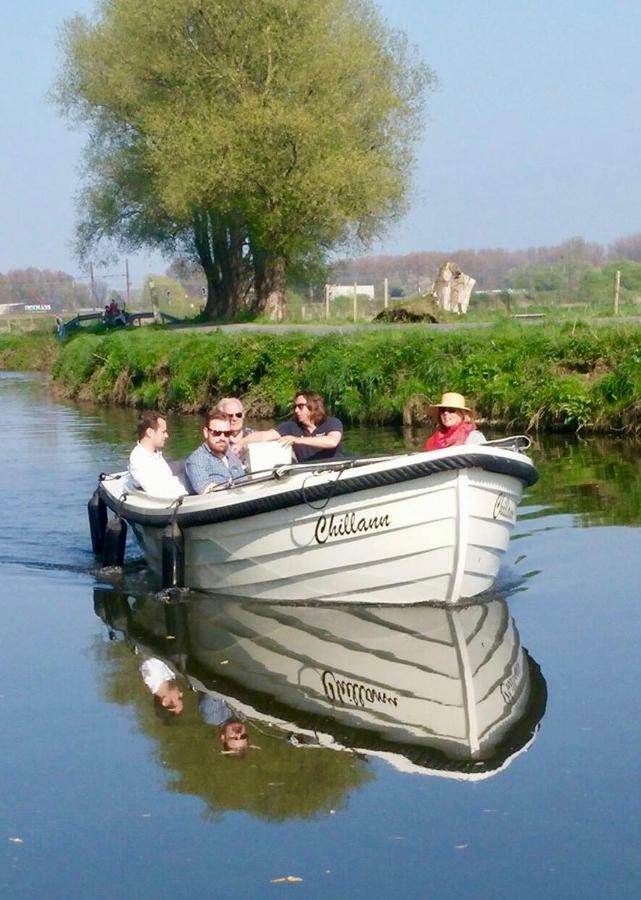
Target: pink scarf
x=449 y=437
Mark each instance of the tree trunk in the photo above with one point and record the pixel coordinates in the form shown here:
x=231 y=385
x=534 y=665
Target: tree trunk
x=220 y=244
x=270 y=285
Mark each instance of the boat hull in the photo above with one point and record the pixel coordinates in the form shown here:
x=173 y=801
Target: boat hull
x=453 y=679
x=436 y=537
x=439 y=690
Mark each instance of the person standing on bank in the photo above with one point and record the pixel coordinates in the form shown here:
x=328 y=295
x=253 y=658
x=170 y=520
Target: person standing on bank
x=311 y=433
x=148 y=469
x=212 y=465
x=454 y=423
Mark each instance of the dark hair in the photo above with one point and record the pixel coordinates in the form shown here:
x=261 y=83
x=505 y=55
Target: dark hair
x=317 y=412
x=214 y=413
x=149 y=419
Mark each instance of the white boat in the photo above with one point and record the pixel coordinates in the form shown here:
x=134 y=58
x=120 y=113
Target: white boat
x=435 y=690
x=412 y=528
x=452 y=680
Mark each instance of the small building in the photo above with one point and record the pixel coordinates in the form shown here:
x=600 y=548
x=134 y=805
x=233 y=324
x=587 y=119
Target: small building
x=347 y=290
x=8 y=309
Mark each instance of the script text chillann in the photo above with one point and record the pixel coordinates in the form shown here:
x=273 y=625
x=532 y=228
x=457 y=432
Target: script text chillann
x=353 y=693
x=505 y=508
x=347 y=524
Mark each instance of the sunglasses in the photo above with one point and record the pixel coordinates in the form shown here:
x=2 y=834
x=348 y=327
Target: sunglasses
x=236 y=415
x=300 y=405
x=450 y=409
x=215 y=433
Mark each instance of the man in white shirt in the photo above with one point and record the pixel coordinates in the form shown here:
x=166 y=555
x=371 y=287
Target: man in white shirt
x=148 y=469
x=161 y=681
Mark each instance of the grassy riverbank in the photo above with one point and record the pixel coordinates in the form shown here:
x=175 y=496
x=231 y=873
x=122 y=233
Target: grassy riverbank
x=28 y=352
x=568 y=377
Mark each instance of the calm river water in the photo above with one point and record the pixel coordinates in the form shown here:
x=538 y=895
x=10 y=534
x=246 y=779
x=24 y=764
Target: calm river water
x=101 y=798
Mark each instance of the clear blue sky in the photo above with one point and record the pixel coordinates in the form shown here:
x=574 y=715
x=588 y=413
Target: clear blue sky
x=533 y=135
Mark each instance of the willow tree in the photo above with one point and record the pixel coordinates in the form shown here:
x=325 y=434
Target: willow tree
x=252 y=136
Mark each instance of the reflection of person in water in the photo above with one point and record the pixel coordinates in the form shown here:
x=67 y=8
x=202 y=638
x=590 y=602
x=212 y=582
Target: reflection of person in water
x=168 y=700
x=216 y=711
x=161 y=681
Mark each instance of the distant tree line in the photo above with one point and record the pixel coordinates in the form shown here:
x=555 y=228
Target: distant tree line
x=573 y=266
x=568 y=266
x=60 y=290
x=44 y=286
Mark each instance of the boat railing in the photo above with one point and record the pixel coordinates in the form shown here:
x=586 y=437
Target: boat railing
x=517 y=442
x=330 y=465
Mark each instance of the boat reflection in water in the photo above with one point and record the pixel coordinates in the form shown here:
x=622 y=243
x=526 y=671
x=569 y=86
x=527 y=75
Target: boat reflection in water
x=435 y=690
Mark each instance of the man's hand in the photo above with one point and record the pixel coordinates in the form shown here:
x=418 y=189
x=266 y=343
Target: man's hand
x=216 y=486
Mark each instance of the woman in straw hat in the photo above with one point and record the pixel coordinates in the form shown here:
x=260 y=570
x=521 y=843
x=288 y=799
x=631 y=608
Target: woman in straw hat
x=454 y=423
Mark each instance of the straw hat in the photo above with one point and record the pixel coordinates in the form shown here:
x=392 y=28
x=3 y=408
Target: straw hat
x=450 y=400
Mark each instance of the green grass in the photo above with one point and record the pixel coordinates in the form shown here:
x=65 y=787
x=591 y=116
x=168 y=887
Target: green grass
x=28 y=352
x=569 y=377
x=565 y=377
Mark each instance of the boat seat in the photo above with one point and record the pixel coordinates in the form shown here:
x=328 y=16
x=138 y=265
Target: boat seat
x=177 y=467
x=267 y=455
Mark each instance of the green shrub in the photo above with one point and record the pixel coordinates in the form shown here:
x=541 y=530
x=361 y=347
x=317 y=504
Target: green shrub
x=568 y=377
x=28 y=352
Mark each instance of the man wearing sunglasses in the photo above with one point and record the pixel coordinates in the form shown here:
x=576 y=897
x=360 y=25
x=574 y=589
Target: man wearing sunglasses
x=232 y=409
x=311 y=433
x=212 y=465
